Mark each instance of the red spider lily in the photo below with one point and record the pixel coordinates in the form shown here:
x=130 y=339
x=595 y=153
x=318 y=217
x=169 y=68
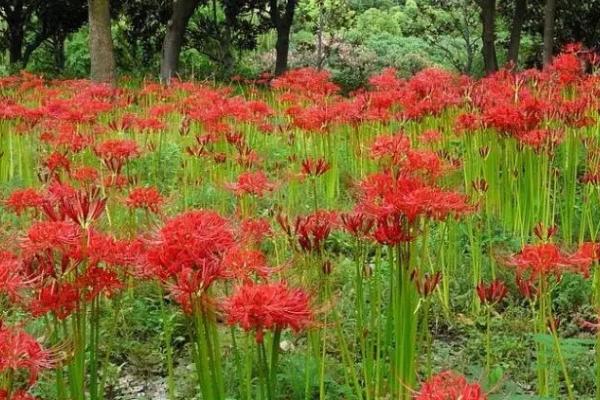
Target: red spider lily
x=449 y=385
x=316 y=167
x=12 y=280
x=526 y=287
x=540 y=260
x=541 y=139
x=567 y=67
x=480 y=186
x=85 y=175
x=254 y=183
x=247 y=157
x=48 y=236
x=56 y=162
x=96 y=281
x=58 y=299
x=427 y=283
x=21 y=352
x=145 y=198
x=22 y=199
x=466 y=123
x=544 y=233
x=193 y=240
x=308 y=81
x=254 y=230
x=145 y=125
x=586 y=255
x=492 y=293
x=312 y=230
x=66 y=137
x=17 y=395
x=116 y=181
x=85 y=207
x=391 y=231
x=115 y=152
x=424 y=161
x=430 y=137
x=191 y=285
x=269 y=306
x=235 y=139
x=393 y=147
x=383 y=196
x=241 y=263
x=357 y=224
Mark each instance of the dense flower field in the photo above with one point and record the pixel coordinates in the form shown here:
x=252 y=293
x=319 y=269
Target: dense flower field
x=278 y=218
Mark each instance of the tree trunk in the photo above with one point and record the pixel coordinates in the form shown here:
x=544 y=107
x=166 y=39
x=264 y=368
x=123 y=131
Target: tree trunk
x=101 y=45
x=36 y=42
x=283 y=25
x=488 y=19
x=515 y=32
x=549 y=22
x=59 y=52
x=15 y=21
x=182 y=12
x=282 y=48
x=320 y=29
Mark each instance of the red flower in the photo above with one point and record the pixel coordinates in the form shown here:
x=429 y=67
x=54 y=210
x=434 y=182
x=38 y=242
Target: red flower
x=393 y=147
x=585 y=256
x=357 y=224
x=492 y=293
x=50 y=236
x=241 y=263
x=145 y=198
x=312 y=230
x=22 y=199
x=255 y=229
x=21 y=352
x=191 y=284
x=85 y=175
x=115 y=152
x=12 y=281
x=316 y=167
x=270 y=306
x=540 y=259
x=57 y=161
x=255 y=183
x=426 y=285
x=383 y=196
x=391 y=231
x=526 y=286
x=85 y=207
x=96 y=281
x=59 y=299
x=193 y=240
x=17 y=395
x=449 y=385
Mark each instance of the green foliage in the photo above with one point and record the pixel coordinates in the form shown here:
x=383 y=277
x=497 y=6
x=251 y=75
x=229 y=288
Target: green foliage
x=78 y=54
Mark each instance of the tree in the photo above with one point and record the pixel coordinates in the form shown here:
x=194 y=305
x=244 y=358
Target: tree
x=282 y=17
x=488 y=35
x=219 y=30
x=575 y=21
x=31 y=23
x=176 y=27
x=516 y=30
x=101 y=45
x=54 y=22
x=451 y=19
x=145 y=23
x=549 y=23
x=16 y=14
